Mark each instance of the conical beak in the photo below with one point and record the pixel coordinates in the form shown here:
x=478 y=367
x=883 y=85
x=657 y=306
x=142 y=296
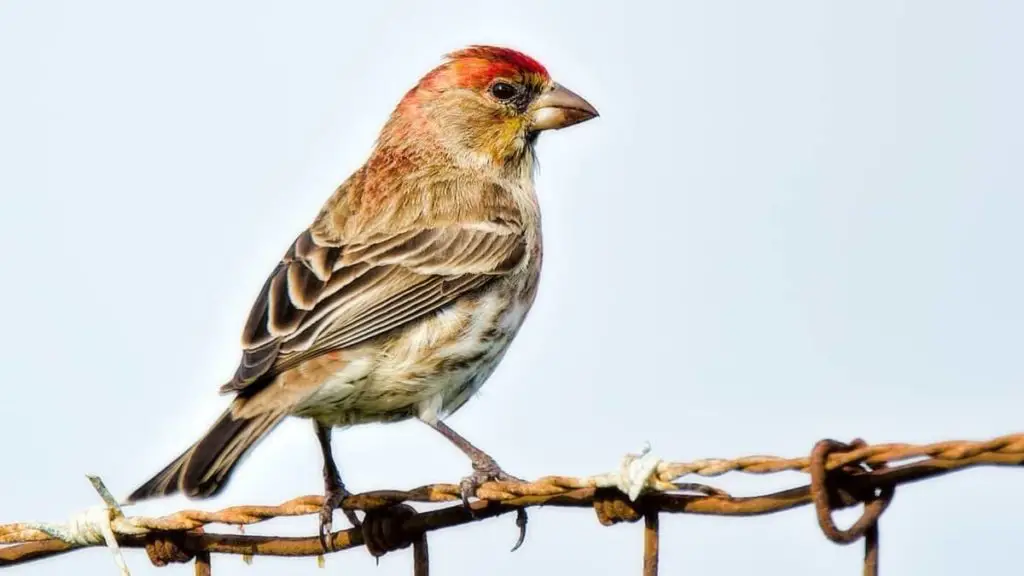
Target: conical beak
x=559 y=107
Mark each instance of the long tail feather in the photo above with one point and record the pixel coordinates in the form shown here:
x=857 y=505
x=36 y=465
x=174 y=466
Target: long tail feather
x=204 y=469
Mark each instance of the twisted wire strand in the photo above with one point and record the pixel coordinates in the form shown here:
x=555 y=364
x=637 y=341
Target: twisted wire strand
x=867 y=468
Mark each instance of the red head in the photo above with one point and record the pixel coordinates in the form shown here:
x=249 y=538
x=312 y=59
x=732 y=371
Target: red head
x=484 y=100
x=478 y=66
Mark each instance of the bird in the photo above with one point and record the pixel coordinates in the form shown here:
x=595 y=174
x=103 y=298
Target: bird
x=403 y=295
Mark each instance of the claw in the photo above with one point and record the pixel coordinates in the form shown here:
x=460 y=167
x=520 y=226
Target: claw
x=489 y=471
x=332 y=499
x=326 y=543
x=483 y=471
x=521 y=520
x=467 y=488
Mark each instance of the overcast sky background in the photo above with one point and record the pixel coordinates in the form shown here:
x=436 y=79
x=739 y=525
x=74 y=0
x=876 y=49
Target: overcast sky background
x=793 y=220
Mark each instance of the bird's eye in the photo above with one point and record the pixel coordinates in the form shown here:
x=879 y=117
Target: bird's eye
x=503 y=90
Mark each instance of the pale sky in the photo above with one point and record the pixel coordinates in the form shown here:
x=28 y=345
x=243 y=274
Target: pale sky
x=793 y=219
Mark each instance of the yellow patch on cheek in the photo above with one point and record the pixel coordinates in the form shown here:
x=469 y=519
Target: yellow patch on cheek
x=506 y=138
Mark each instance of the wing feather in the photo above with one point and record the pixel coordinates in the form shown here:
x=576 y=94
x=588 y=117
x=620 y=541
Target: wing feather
x=324 y=297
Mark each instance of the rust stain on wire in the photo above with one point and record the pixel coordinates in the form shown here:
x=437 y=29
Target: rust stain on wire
x=203 y=567
x=420 y=557
x=842 y=476
x=651 y=538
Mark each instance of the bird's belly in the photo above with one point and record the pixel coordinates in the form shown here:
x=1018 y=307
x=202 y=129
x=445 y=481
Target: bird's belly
x=426 y=370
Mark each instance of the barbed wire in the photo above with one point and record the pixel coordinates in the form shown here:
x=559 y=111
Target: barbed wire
x=841 y=476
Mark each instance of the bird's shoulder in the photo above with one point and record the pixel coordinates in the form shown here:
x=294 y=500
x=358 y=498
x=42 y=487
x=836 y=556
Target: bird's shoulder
x=375 y=202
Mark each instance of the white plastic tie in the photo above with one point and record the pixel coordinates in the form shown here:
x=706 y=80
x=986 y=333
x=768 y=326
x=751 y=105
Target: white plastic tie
x=636 y=472
x=94 y=526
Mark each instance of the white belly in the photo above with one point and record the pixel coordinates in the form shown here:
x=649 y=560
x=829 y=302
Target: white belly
x=428 y=370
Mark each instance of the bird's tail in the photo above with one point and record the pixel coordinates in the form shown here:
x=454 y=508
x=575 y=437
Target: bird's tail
x=203 y=470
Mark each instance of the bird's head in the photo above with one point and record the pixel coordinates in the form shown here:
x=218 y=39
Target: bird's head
x=485 y=104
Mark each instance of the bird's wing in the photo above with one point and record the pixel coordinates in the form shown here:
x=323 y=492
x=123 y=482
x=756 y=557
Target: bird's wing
x=323 y=297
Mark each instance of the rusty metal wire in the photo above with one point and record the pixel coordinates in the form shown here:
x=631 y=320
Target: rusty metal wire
x=841 y=476
x=651 y=543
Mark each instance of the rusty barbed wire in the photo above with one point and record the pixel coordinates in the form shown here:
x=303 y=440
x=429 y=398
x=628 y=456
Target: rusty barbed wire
x=842 y=475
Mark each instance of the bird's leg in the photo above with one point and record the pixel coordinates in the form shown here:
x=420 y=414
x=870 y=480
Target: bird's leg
x=485 y=469
x=334 y=488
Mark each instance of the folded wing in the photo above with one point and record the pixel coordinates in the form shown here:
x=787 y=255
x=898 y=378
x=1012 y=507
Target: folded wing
x=324 y=296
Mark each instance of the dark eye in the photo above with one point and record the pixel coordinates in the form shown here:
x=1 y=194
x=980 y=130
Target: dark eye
x=503 y=90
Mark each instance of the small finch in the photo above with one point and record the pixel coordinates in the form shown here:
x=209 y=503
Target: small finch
x=403 y=295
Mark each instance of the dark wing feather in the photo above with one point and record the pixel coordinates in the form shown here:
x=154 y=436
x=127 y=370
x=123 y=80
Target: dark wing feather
x=322 y=298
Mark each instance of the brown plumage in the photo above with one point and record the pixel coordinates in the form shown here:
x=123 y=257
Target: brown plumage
x=404 y=293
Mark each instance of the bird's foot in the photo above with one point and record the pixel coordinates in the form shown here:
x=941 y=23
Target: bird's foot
x=333 y=496
x=487 y=470
x=484 y=470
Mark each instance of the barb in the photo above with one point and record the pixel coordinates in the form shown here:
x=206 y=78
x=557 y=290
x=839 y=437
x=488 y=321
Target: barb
x=842 y=475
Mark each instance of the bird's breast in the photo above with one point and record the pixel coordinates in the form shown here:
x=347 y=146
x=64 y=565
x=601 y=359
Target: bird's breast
x=432 y=366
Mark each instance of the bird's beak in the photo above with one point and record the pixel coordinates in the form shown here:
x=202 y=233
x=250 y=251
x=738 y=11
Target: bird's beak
x=559 y=107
